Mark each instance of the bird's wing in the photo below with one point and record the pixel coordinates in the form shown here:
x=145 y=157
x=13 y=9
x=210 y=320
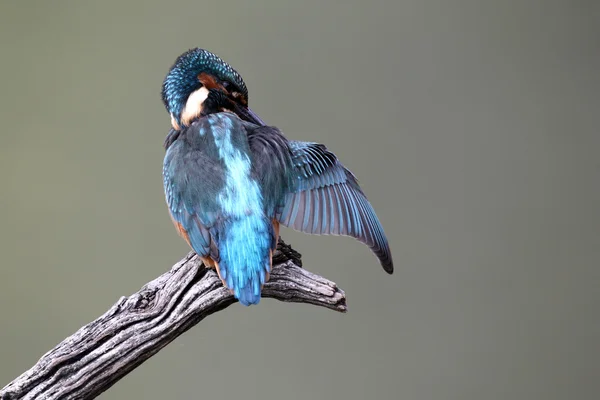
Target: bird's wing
x=327 y=199
x=185 y=189
x=271 y=161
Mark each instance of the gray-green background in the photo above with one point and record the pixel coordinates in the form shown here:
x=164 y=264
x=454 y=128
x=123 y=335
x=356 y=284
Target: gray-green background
x=472 y=125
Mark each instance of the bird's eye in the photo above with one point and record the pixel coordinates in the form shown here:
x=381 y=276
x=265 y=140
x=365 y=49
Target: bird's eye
x=225 y=84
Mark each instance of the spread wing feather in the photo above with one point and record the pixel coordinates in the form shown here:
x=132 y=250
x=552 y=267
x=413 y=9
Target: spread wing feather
x=327 y=200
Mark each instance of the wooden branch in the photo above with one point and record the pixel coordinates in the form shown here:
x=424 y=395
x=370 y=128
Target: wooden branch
x=99 y=354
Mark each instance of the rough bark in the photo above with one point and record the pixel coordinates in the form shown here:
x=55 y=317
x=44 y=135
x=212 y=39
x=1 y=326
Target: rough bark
x=134 y=329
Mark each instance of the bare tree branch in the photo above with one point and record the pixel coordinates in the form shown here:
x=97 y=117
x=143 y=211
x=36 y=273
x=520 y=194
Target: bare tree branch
x=99 y=354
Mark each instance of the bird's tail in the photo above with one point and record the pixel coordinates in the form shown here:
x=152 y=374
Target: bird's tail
x=245 y=250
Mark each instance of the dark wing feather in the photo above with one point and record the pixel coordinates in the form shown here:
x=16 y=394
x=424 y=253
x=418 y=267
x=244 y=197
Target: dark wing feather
x=327 y=200
x=185 y=189
x=271 y=164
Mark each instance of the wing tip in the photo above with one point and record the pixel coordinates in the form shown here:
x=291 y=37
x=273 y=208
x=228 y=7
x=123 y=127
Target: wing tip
x=388 y=267
x=386 y=262
x=384 y=255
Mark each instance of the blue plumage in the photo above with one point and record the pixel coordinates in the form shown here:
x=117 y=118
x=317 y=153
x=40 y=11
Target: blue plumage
x=245 y=236
x=230 y=180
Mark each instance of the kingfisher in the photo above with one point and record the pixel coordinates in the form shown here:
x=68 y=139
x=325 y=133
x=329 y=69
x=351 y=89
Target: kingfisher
x=231 y=180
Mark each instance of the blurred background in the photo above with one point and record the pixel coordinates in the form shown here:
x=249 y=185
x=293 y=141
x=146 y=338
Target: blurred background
x=473 y=127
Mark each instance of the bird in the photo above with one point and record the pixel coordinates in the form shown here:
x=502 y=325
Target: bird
x=231 y=180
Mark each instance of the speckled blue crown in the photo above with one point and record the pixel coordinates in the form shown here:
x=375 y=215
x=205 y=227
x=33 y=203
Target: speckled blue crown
x=182 y=78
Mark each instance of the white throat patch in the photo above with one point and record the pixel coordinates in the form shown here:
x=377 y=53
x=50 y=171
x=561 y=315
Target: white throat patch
x=193 y=106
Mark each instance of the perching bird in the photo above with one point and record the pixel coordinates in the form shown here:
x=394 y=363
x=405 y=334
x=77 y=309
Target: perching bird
x=230 y=180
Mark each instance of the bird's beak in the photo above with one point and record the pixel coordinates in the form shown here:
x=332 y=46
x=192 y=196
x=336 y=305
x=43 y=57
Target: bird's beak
x=255 y=117
x=248 y=115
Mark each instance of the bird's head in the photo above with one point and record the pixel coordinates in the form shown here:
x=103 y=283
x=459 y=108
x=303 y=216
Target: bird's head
x=199 y=83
